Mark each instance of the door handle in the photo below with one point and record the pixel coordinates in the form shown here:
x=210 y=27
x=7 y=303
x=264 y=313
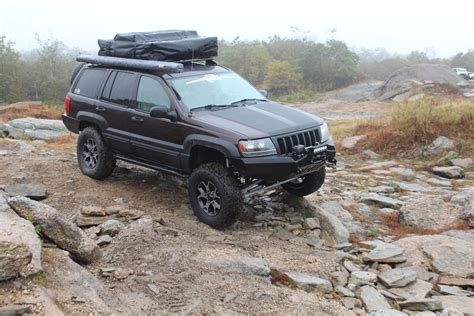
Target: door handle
x=100 y=109
x=137 y=119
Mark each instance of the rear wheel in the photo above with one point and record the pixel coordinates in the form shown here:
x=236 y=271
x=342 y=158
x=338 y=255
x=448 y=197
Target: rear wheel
x=307 y=184
x=94 y=156
x=215 y=195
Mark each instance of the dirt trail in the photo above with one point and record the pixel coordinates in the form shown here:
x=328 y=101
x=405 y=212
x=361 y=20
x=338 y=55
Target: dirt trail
x=174 y=256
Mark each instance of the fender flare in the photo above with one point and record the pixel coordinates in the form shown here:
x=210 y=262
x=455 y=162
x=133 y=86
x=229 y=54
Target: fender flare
x=83 y=116
x=227 y=148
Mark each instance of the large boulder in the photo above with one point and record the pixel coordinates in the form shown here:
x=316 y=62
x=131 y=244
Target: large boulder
x=438 y=146
x=22 y=233
x=65 y=234
x=36 y=128
x=409 y=80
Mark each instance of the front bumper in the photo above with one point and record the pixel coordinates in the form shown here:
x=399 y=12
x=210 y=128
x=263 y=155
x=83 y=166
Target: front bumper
x=281 y=167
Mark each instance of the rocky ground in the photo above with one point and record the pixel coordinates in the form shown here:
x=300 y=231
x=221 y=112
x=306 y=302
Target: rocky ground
x=382 y=237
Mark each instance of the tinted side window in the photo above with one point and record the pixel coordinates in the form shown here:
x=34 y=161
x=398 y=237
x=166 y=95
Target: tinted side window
x=122 y=89
x=108 y=86
x=89 y=82
x=150 y=94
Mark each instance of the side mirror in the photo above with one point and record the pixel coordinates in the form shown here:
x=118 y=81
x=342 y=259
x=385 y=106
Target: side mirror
x=162 y=112
x=263 y=92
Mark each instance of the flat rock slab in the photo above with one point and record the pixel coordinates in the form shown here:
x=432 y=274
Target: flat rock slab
x=384 y=201
x=11 y=310
x=388 y=312
x=388 y=253
x=359 y=278
x=310 y=282
x=403 y=172
x=57 y=228
x=332 y=225
x=372 y=299
x=462 y=304
x=243 y=265
x=32 y=191
x=398 y=277
x=422 y=305
x=456 y=281
x=429 y=212
x=451 y=257
x=379 y=165
x=415 y=291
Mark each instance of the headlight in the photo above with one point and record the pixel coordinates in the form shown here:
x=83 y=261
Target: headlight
x=258 y=147
x=324 y=132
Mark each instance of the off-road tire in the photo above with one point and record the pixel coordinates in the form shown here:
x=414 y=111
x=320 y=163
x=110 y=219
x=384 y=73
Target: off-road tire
x=75 y=71
x=104 y=162
x=311 y=183
x=227 y=188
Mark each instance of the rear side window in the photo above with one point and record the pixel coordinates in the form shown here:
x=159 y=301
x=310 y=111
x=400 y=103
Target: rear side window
x=89 y=82
x=122 y=88
x=150 y=94
x=108 y=86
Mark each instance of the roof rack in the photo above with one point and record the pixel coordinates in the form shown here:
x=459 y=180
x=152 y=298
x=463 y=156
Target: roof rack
x=153 y=65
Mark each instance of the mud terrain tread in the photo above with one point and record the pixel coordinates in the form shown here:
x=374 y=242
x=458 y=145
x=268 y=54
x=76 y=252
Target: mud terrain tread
x=311 y=183
x=106 y=163
x=229 y=190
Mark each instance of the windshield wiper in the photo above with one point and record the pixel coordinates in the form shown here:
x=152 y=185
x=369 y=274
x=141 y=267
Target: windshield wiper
x=247 y=100
x=212 y=106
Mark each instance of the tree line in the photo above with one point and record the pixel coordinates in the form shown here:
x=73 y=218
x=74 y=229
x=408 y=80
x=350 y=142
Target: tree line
x=294 y=68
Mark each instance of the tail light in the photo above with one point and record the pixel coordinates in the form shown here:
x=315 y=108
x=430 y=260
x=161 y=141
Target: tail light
x=67 y=104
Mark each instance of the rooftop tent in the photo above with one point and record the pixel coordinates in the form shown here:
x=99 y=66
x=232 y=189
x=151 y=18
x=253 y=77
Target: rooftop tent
x=172 y=45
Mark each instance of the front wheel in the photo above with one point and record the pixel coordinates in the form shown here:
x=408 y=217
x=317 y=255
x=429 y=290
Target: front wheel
x=307 y=184
x=215 y=195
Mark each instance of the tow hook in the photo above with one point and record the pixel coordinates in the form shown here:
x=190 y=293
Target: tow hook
x=332 y=164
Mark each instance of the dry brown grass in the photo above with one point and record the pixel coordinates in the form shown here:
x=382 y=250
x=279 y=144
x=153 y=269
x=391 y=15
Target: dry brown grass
x=418 y=123
x=65 y=143
x=36 y=110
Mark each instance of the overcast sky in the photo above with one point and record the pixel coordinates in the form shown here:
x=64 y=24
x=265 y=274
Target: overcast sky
x=445 y=27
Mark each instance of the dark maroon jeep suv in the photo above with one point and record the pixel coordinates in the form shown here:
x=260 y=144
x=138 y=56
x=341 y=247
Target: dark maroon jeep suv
x=203 y=122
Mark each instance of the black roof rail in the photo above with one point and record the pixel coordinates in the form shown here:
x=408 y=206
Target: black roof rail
x=152 y=65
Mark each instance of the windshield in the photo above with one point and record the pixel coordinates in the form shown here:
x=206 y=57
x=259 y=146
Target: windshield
x=214 y=90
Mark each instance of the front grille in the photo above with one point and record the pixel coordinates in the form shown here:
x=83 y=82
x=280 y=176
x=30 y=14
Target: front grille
x=307 y=138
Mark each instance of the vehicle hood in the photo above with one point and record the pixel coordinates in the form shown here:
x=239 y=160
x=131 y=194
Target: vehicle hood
x=260 y=120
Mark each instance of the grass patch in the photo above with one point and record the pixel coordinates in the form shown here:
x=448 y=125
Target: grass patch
x=418 y=123
x=342 y=129
x=298 y=97
x=36 y=110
